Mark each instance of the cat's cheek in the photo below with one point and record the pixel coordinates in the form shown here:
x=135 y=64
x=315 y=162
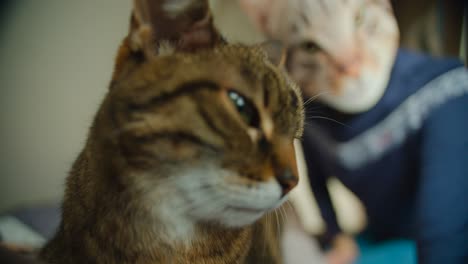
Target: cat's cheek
x=240 y=213
x=234 y=218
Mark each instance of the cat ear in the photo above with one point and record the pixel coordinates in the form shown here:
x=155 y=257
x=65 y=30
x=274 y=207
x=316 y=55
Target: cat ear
x=275 y=51
x=258 y=12
x=162 y=25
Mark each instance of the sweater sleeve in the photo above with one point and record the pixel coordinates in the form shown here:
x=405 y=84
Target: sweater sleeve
x=442 y=235
x=318 y=181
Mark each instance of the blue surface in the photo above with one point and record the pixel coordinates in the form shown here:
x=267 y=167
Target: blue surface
x=389 y=252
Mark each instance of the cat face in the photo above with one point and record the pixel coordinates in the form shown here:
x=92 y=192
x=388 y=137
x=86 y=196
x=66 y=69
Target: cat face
x=205 y=136
x=342 y=51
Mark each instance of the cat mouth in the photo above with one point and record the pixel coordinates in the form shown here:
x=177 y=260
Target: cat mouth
x=247 y=209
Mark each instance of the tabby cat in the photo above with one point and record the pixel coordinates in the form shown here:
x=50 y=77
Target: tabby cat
x=189 y=151
x=341 y=51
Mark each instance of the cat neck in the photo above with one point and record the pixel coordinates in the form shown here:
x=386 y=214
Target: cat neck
x=111 y=226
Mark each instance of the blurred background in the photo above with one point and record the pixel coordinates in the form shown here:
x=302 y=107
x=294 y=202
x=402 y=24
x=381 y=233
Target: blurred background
x=56 y=61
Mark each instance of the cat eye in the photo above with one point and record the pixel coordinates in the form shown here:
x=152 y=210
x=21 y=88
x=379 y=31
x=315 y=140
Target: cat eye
x=246 y=109
x=310 y=46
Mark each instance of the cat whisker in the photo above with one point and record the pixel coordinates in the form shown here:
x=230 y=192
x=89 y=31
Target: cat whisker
x=329 y=119
x=313 y=98
x=268 y=223
x=285 y=214
x=313 y=108
x=280 y=214
x=309 y=112
x=289 y=203
x=278 y=225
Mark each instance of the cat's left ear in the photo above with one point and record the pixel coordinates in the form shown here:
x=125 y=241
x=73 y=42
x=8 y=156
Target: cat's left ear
x=258 y=12
x=180 y=25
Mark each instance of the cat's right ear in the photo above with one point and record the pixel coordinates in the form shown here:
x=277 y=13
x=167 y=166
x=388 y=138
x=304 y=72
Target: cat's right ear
x=386 y=4
x=258 y=12
x=159 y=26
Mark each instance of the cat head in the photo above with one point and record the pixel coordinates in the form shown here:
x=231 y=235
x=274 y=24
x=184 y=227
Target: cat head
x=341 y=51
x=201 y=130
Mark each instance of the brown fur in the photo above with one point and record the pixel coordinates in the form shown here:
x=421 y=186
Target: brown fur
x=164 y=114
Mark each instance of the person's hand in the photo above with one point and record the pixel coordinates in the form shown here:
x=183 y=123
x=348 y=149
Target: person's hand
x=344 y=250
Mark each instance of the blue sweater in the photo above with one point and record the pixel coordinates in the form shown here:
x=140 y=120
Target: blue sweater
x=406 y=158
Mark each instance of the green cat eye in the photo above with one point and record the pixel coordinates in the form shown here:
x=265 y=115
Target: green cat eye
x=246 y=109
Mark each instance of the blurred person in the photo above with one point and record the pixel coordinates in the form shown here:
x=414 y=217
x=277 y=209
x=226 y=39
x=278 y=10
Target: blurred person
x=390 y=124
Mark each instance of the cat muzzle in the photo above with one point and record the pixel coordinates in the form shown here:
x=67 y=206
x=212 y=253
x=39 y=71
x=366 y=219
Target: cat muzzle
x=287 y=180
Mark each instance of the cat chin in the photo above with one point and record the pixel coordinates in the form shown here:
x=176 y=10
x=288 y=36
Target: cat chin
x=358 y=96
x=352 y=104
x=238 y=217
x=230 y=217
x=210 y=194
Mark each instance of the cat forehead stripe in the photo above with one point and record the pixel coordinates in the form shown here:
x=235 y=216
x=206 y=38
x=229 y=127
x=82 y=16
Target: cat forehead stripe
x=188 y=87
x=406 y=119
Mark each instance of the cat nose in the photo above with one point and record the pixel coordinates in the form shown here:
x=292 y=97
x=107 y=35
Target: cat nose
x=284 y=164
x=350 y=66
x=350 y=69
x=287 y=180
